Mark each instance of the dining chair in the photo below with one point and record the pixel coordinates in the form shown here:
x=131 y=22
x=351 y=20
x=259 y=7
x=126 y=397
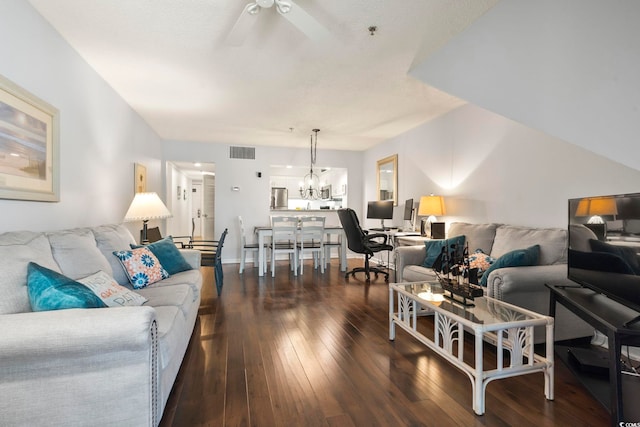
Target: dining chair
x=211 y=256
x=330 y=244
x=247 y=247
x=311 y=240
x=284 y=240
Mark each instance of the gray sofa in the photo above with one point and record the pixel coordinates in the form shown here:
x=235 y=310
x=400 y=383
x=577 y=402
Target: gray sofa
x=101 y=366
x=521 y=286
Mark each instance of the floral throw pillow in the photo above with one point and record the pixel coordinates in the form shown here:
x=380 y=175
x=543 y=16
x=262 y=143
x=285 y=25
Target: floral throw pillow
x=481 y=261
x=142 y=267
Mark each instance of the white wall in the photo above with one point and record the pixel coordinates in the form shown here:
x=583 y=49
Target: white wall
x=492 y=169
x=100 y=136
x=568 y=68
x=252 y=201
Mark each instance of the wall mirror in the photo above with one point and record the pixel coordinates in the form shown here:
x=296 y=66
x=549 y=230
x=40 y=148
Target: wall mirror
x=387 y=173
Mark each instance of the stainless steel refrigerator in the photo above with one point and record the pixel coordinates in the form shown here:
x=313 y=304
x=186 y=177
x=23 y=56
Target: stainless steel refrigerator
x=279 y=198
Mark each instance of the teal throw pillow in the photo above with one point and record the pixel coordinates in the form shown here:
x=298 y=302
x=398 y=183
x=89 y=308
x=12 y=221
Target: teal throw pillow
x=168 y=255
x=434 y=248
x=517 y=258
x=49 y=290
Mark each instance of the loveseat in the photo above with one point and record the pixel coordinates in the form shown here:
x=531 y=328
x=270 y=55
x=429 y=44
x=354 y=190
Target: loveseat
x=523 y=286
x=89 y=366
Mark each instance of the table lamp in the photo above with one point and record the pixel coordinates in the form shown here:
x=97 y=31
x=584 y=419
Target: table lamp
x=430 y=206
x=146 y=206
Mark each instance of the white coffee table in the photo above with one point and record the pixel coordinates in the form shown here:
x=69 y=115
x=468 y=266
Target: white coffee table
x=506 y=326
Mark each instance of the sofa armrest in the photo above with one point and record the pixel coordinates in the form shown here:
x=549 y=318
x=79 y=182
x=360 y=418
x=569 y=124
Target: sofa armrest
x=525 y=287
x=408 y=255
x=192 y=256
x=79 y=366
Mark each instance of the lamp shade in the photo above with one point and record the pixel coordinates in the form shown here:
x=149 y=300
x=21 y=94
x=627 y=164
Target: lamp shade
x=146 y=206
x=597 y=206
x=431 y=205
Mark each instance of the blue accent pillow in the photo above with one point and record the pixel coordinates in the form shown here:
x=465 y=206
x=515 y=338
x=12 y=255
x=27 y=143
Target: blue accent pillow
x=517 y=258
x=434 y=248
x=49 y=290
x=168 y=255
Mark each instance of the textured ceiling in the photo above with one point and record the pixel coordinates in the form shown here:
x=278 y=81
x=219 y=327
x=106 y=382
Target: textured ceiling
x=169 y=60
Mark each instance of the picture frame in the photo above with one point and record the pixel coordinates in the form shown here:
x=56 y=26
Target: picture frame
x=139 y=178
x=179 y=192
x=29 y=146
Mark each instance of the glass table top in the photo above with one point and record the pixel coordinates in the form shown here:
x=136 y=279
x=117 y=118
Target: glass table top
x=484 y=310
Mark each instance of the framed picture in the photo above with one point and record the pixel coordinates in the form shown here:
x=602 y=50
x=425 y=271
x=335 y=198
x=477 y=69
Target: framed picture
x=179 y=192
x=29 y=150
x=140 y=178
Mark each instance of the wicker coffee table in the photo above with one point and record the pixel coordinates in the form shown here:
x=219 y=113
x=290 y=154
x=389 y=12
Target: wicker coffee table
x=504 y=325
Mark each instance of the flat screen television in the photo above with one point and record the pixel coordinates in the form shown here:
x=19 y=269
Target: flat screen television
x=604 y=246
x=380 y=210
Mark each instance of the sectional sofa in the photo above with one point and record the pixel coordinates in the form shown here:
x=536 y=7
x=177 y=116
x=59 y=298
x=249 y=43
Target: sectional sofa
x=89 y=366
x=519 y=285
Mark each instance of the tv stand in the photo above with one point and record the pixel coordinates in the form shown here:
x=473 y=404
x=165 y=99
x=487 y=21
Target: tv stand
x=620 y=324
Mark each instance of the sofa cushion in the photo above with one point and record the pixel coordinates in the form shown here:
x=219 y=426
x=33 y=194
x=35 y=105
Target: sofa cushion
x=110 y=238
x=180 y=296
x=77 y=253
x=516 y=258
x=168 y=255
x=193 y=278
x=110 y=292
x=434 y=249
x=478 y=236
x=50 y=290
x=552 y=241
x=141 y=266
x=417 y=273
x=17 y=250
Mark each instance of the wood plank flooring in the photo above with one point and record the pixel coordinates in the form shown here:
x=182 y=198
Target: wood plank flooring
x=313 y=350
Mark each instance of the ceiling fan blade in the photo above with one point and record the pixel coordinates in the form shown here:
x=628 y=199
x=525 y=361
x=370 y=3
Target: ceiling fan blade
x=243 y=25
x=306 y=23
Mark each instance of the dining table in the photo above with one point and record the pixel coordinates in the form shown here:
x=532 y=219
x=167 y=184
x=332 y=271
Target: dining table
x=267 y=231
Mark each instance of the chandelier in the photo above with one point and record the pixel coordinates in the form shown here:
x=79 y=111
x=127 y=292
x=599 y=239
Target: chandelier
x=310 y=184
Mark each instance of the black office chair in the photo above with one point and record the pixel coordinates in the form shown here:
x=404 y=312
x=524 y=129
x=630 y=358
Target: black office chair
x=359 y=241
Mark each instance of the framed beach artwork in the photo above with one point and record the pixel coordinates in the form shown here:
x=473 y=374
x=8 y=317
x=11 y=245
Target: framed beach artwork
x=140 y=178
x=29 y=150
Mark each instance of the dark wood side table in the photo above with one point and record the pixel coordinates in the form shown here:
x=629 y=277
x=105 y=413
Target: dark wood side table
x=618 y=322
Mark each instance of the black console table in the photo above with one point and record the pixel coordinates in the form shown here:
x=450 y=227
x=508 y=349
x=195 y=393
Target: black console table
x=618 y=322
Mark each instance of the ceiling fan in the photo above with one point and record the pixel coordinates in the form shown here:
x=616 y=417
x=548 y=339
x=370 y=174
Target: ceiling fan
x=287 y=8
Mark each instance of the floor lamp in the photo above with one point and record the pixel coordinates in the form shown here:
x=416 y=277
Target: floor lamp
x=146 y=206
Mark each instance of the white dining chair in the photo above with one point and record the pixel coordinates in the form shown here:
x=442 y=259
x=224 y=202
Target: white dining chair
x=247 y=247
x=311 y=241
x=284 y=240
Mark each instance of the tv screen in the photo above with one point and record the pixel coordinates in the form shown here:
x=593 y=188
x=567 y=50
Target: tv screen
x=604 y=246
x=408 y=210
x=380 y=210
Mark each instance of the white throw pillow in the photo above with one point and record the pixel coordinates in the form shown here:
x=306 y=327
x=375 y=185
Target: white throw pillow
x=110 y=292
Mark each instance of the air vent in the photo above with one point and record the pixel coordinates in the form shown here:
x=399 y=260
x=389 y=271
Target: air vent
x=242 y=153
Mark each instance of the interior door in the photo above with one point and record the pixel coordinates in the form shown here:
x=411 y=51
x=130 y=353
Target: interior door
x=196 y=207
x=208 y=207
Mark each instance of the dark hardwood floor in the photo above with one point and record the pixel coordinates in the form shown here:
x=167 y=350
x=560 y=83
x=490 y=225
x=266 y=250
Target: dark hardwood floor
x=313 y=350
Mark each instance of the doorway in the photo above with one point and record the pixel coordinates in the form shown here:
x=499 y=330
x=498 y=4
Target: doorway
x=193 y=208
